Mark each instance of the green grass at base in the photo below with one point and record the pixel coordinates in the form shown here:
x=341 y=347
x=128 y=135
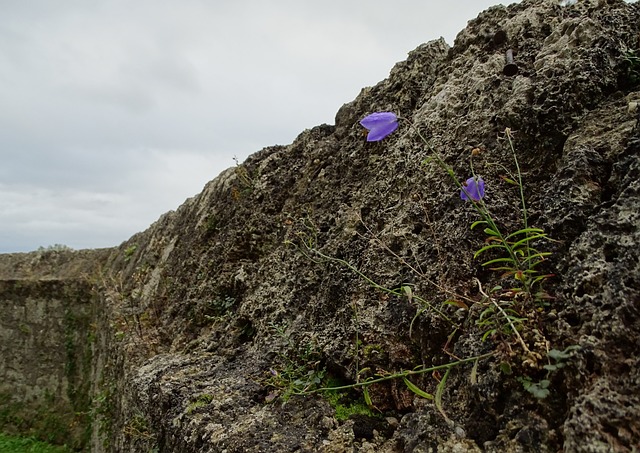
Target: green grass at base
x=12 y=444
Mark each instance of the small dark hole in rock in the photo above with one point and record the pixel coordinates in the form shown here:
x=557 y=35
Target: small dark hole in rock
x=610 y=253
x=572 y=319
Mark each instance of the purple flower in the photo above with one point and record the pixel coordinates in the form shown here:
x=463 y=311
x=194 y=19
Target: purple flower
x=473 y=189
x=380 y=124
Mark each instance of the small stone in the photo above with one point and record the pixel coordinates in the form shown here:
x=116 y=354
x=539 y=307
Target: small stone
x=460 y=432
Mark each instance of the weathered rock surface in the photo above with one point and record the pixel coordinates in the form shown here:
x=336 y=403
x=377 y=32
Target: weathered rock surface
x=200 y=316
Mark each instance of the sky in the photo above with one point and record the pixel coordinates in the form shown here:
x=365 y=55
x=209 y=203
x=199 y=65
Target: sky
x=113 y=112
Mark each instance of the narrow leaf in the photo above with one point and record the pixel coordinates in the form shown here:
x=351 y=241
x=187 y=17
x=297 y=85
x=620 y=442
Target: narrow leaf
x=527 y=239
x=498 y=260
x=525 y=230
x=367 y=397
x=417 y=390
x=408 y=292
x=491 y=232
x=473 y=378
x=488 y=333
x=457 y=303
x=438 y=398
x=488 y=247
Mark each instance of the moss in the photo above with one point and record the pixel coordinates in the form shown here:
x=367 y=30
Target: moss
x=49 y=422
x=201 y=401
x=346 y=408
x=28 y=444
x=346 y=404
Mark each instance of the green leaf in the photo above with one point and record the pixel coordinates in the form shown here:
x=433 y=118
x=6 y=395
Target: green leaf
x=486 y=312
x=456 y=303
x=509 y=181
x=478 y=222
x=505 y=367
x=491 y=232
x=562 y=355
x=438 y=398
x=417 y=390
x=489 y=247
x=473 y=377
x=538 y=389
x=509 y=270
x=538 y=392
x=527 y=239
x=525 y=231
x=367 y=397
x=488 y=333
x=499 y=260
x=408 y=292
x=539 y=256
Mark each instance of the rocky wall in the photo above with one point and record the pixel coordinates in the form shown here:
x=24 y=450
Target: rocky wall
x=46 y=337
x=215 y=327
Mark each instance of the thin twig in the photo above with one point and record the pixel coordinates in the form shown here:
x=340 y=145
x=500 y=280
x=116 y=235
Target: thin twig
x=404 y=373
x=524 y=346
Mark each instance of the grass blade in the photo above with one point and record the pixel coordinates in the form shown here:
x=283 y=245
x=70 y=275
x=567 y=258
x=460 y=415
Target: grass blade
x=417 y=390
x=525 y=231
x=438 y=398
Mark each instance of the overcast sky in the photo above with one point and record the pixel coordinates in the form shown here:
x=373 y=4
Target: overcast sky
x=114 y=112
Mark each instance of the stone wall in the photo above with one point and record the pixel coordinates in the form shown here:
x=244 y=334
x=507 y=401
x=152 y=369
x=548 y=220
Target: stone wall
x=46 y=336
x=48 y=343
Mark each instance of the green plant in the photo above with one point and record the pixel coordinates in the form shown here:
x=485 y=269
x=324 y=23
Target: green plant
x=55 y=248
x=307 y=244
x=202 y=401
x=129 y=251
x=506 y=309
x=363 y=377
x=48 y=420
x=557 y=359
x=16 y=444
x=103 y=411
x=344 y=404
x=212 y=224
x=220 y=306
x=246 y=182
x=520 y=259
x=405 y=375
x=299 y=370
x=631 y=67
x=137 y=427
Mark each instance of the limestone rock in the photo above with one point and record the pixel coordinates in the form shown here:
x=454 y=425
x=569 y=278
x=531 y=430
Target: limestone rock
x=201 y=319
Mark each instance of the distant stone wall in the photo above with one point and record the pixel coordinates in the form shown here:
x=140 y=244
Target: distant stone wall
x=45 y=359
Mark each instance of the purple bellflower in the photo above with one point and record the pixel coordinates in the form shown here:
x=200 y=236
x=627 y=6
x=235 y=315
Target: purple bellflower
x=473 y=189
x=379 y=125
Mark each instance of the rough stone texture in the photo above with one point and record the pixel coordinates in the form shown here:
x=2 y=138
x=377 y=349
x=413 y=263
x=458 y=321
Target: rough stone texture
x=198 y=313
x=46 y=358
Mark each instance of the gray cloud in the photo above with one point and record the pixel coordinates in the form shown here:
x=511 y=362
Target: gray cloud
x=114 y=112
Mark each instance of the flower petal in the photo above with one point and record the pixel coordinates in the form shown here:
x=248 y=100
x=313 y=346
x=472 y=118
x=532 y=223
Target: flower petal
x=473 y=189
x=379 y=124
